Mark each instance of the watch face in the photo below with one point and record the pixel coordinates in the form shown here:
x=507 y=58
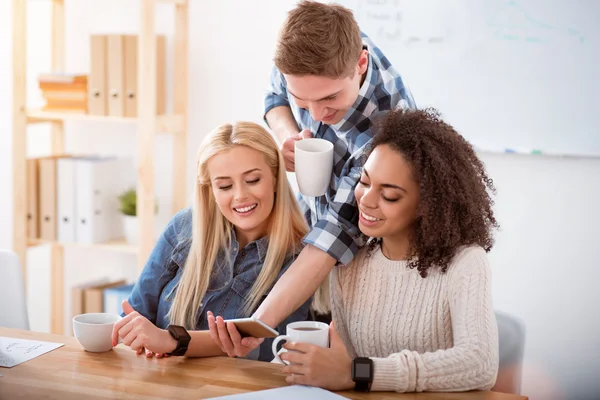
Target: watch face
x=179 y=331
x=362 y=370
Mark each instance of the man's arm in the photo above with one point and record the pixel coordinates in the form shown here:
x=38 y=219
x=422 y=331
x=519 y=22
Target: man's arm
x=298 y=283
x=282 y=122
x=278 y=114
x=333 y=238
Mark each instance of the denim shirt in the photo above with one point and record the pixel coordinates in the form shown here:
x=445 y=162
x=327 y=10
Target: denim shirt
x=229 y=286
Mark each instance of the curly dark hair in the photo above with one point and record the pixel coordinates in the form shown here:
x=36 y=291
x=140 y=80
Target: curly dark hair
x=455 y=207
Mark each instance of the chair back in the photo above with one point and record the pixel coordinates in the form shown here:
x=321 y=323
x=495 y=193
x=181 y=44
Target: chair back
x=511 y=338
x=13 y=307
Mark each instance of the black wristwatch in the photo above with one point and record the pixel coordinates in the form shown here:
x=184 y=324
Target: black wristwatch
x=183 y=339
x=362 y=374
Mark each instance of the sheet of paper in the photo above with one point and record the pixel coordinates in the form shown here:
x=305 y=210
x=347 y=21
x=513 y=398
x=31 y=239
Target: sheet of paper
x=14 y=351
x=295 y=392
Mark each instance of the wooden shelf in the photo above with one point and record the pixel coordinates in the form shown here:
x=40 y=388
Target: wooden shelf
x=164 y=123
x=119 y=245
x=147 y=124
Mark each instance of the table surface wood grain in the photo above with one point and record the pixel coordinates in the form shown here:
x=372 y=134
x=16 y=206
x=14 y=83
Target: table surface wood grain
x=69 y=372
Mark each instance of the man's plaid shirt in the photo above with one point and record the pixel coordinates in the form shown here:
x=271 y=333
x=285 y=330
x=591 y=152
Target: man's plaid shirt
x=334 y=216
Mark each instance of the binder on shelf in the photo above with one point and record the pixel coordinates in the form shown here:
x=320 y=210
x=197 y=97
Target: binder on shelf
x=47 y=196
x=89 y=177
x=116 y=75
x=93 y=296
x=32 y=198
x=97 y=81
x=114 y=296
x=98 y=183
x=130 y=54
x=66 y=200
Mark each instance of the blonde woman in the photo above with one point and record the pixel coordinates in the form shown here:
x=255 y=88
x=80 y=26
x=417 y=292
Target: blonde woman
x=223 y=256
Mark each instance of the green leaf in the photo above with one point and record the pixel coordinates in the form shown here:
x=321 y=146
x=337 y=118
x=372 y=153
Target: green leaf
x=128 y=202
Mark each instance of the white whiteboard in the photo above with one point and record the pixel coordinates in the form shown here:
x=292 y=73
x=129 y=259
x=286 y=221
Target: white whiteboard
x=507 y=74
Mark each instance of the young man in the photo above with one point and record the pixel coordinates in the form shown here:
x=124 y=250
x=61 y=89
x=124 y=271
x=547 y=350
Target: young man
x=329 y=81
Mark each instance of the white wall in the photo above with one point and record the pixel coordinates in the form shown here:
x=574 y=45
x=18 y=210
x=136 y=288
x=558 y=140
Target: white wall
x=545 y=268
x=546 y=258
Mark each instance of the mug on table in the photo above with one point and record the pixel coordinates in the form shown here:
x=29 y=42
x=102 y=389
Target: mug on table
x=311 y=332
x=94 y=331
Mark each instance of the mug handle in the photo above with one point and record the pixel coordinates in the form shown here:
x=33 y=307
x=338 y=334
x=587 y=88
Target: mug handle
x=274 y=347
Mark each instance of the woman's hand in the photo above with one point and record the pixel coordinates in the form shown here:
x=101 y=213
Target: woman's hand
x=227 y=337
x=150 y=354
x=328 y=368
x=140 y=334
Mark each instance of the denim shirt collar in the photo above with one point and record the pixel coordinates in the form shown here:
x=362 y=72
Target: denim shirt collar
x=261 y=245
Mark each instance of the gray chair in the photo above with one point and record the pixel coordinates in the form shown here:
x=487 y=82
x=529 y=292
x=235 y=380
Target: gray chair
x=13 y=308
x=511 y=337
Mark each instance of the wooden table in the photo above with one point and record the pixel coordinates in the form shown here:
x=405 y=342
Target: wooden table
x=69 y=372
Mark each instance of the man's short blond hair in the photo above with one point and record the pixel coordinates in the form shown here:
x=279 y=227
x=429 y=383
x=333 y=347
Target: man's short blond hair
x=319 y=39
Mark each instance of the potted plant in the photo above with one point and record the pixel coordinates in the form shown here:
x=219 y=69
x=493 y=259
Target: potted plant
x=128 y=204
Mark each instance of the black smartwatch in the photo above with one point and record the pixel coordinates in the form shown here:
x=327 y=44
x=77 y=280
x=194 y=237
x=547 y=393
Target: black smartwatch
x=183 y=339
x=362 y=374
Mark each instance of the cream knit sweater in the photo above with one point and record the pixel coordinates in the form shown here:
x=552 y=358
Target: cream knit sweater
x=423 y=334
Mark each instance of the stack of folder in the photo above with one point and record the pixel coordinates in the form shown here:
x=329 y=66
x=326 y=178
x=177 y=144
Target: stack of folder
x=64 y=92
x=113 y=80
x=75 y=199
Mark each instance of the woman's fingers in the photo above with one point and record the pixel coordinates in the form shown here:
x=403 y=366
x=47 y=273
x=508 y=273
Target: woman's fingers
x=236 y=340
x=214 y=331
x=252 y=342
x=224 y=337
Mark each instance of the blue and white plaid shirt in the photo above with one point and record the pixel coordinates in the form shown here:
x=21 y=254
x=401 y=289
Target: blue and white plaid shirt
x=334 y=216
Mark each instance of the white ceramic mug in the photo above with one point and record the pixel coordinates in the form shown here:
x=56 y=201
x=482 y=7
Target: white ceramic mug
x=312 y=332
x=94 y=330
x=313 y=165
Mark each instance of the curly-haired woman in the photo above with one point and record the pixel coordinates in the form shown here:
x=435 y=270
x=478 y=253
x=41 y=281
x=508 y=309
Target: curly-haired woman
x=413 y=312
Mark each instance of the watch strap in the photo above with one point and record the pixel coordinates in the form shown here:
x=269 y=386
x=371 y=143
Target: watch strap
x=181 y=335
x=362 y=383
x=362 y=386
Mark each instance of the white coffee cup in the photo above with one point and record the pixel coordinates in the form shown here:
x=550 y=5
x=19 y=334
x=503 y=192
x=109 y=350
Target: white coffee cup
x=94 y=330
x=313 y=165
x=311 y=332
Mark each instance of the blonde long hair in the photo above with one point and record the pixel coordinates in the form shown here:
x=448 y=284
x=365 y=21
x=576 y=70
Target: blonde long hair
x=211 y=231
